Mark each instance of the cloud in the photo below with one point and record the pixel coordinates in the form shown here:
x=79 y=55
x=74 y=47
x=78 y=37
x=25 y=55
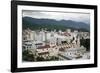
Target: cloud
x=80 y=17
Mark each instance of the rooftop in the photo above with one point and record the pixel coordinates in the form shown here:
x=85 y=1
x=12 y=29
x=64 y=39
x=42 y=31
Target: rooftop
x=43 y=53
x=43 y=47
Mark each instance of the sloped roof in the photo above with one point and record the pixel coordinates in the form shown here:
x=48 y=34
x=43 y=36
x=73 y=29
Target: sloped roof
x=43 y=47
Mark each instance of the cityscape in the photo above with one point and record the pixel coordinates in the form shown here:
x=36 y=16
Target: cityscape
x=46 y=43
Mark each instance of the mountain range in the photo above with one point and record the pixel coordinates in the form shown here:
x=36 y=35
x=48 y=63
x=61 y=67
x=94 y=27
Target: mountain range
x=51 y=24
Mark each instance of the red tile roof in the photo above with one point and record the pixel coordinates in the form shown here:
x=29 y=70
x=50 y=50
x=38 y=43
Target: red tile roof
x=43 y=47
x=43 y=53
x=67 y=34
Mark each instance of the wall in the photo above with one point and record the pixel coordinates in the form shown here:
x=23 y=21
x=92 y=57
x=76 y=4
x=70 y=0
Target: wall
x=5 y=36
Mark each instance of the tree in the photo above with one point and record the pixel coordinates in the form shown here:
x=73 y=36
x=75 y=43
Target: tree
x=85 y=43
x=26 y=56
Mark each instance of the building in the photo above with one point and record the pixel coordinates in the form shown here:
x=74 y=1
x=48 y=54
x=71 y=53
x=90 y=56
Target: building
x=62 y=44
x=73 y=53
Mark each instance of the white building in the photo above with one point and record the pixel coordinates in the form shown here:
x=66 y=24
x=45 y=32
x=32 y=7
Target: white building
x=49 y=43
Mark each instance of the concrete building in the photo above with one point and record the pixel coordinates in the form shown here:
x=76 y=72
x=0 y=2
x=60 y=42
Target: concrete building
x=73 y=53
x=62 y=44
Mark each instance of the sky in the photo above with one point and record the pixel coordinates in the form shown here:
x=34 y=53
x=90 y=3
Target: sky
x=79 y=17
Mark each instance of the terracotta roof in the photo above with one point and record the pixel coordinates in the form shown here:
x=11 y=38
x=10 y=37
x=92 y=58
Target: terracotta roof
x=67 y=34
x=43 y=53
x=43 y=47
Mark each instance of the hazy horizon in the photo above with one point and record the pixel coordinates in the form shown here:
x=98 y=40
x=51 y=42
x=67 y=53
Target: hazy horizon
x=78 y=17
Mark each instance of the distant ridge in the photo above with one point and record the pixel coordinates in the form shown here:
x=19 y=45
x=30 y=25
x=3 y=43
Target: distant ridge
x=51 y=24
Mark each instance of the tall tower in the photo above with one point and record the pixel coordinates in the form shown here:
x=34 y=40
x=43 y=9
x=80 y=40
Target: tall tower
x=78 y=40
x=45 y=36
